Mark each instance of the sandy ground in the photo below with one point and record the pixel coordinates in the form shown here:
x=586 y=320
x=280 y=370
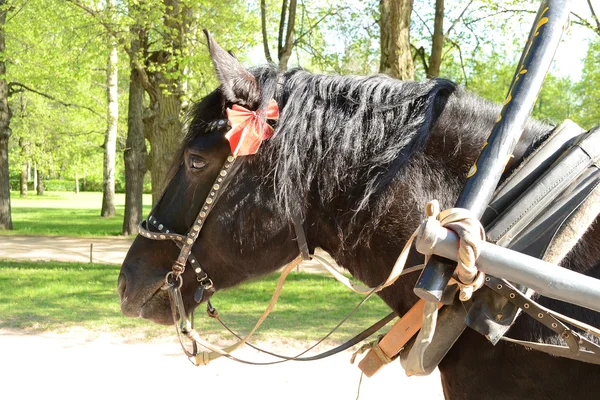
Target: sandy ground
x=81 y=364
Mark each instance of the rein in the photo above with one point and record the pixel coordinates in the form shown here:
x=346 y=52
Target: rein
x=185 y=242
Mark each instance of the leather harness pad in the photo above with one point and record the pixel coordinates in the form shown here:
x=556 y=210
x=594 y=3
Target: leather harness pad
x=530 y=220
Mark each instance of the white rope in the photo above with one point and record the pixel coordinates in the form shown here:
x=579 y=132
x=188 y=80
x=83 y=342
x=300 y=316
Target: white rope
x=470 y=232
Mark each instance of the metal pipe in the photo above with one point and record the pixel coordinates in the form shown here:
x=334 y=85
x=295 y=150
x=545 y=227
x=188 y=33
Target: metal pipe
x=547 y=279
x=483 y=178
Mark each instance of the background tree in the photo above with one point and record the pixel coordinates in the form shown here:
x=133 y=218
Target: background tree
x=396 y=55
x=285 y=38
x=5 y=131
x=135 y=153
x=112 y=119
x=161 y=66
x=588 y=90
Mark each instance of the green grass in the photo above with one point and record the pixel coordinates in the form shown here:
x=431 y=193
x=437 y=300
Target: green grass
x=41 y=296
x=66 y=214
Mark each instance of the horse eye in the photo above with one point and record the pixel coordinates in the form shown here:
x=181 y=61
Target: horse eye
x=197 y=163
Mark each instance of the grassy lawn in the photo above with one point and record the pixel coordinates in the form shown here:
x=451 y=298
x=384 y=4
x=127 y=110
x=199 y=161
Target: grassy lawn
x=66 y=214
x=40 y=296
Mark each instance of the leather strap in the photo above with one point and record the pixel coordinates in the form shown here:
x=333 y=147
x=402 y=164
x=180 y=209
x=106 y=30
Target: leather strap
x=558 y=351
x=395 y=339
x=301 y=237
x=578 y=347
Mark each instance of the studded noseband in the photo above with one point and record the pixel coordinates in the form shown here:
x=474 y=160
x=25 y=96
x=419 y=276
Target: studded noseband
x=185 y=242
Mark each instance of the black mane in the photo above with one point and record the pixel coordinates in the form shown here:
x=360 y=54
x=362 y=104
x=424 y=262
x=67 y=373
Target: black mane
x=348 y=137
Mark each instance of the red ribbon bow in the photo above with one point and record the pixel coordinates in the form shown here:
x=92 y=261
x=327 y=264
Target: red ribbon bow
x=248 y=130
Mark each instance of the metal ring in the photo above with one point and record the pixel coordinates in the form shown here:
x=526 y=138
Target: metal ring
x=206 y=282
x=177 y=277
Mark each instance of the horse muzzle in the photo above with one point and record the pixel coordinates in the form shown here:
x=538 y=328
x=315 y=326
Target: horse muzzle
x=149 y=302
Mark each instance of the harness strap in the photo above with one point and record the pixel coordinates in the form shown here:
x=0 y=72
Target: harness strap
x=578 y=347
x=356 y=339
x=396 y=338
x=301 y=237
x=204 y=358
x=397 y=271
x=558 y=351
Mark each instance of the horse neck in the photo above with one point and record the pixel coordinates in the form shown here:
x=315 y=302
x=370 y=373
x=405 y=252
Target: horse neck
x=438 y=172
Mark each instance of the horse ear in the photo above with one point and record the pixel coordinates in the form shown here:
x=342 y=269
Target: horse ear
x=238 y=84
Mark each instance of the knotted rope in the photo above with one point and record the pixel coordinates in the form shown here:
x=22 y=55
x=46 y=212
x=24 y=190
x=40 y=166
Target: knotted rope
x=470 y=232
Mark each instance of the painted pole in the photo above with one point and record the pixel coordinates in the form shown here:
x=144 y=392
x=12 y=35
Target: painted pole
x=484 y=175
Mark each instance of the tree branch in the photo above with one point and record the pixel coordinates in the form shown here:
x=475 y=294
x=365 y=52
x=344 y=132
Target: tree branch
x=121 y=41
x=458 y=18
x=585 y=23
x=595 y=16
x=289 y=34
x=263 y=22
x=313 y=26
x=423 y=22
x=14 y=14
x=21 y=88
x=462 y=62
x=504 y=11
x=281 y=26
x=420 y=52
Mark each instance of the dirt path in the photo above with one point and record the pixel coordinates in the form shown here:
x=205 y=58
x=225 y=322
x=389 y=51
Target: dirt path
x=82 y=364
x=105 y=250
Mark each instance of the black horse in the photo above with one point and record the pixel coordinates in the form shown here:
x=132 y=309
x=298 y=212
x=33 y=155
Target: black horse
x=356 y=158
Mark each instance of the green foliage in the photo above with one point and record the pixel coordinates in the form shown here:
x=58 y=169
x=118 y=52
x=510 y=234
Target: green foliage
x=53 y=52
x=588 y=89
x=42 y=296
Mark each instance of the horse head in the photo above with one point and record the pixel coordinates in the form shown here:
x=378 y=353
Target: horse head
x=244 y=236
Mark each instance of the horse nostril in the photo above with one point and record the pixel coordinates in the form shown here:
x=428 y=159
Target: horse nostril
x=121 y=285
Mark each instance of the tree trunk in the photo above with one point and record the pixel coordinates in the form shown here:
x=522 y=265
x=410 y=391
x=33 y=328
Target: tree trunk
x=263 y=24
x=110 y=139
x=165 y=133
x=23 y=181
x=35 y=174
x=401 y=62
x=5 y=114
x=40 y=184
x=437 y=43
x=135 y=156
x=164 y=85
x=385 y=29
x=76 y=182
x=286 y=36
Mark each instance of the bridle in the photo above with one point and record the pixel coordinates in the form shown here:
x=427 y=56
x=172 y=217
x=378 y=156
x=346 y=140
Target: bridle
x=185 y=242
